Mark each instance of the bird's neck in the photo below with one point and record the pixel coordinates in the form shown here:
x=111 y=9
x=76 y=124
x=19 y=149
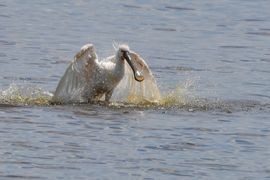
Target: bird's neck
x=119 y=67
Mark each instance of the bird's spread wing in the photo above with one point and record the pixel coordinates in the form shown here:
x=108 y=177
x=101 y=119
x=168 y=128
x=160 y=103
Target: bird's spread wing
x=130 y=90
x=71 y=87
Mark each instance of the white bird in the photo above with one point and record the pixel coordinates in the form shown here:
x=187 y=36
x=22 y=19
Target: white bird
x=88 y=79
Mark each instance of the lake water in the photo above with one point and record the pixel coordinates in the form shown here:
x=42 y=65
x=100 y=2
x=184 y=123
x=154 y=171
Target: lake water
x=211 y=57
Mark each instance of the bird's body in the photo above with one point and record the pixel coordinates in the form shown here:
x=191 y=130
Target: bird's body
x=88 y=79
x=106 y=77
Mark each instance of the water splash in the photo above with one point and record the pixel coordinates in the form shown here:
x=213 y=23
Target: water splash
x=181 y=97
x=17 y=94
x=184 y=96
x=24 y=95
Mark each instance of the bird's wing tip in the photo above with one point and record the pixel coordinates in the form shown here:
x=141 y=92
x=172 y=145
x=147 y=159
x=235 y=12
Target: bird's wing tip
x=140 y=63
x=84 y=49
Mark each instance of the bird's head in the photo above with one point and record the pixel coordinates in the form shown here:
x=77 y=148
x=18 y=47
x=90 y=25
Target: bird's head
x=123 y=54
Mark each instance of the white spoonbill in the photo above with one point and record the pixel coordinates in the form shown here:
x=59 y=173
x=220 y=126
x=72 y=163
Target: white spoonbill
x=88 y=79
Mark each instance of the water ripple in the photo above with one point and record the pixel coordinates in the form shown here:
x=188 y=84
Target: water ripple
x=21 y=177
x=4 y=16
x=179 y=8
x=165 y=29
x=7 y=43
x=253 y=20
x=259 y=33
x=235 y=47
x=132 y=6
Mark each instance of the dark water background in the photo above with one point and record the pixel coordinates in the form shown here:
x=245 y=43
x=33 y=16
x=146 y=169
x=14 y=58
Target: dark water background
x=218 y=51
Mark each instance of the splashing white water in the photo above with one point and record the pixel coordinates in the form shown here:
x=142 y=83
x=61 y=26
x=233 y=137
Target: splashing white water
x=181 y=96
x=24 y=95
